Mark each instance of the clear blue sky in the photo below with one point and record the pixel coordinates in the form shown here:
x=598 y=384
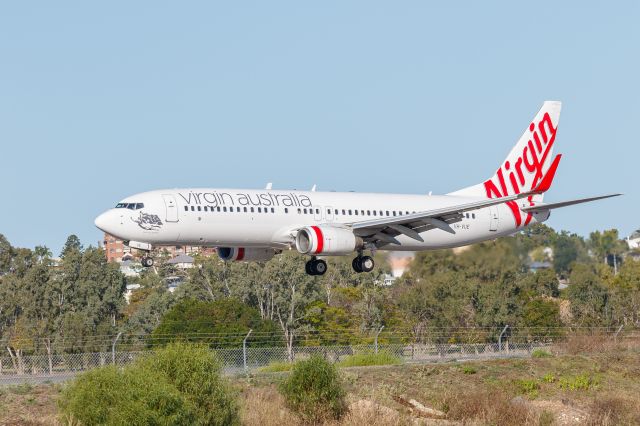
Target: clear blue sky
x=100 y=100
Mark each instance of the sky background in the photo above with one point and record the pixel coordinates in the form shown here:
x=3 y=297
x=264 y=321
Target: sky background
x=100 y=100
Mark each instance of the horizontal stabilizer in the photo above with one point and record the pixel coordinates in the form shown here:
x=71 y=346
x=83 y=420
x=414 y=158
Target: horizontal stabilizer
x=542 y=207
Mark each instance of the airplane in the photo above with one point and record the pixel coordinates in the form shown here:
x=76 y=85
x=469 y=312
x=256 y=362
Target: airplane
x=255 y=225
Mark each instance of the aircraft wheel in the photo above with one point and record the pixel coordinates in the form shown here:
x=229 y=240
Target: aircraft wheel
x=308 y=268
x=367 y=264
x=147 y=262
x=319 y=267
x=356 y=264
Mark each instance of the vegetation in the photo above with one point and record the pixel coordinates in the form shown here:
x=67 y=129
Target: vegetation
x=314 y=390
x=75 y=303
x=178 y=384
x=369 y=359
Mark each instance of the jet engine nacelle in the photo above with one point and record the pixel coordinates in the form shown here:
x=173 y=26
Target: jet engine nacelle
x=238 y=254
x=327 y=240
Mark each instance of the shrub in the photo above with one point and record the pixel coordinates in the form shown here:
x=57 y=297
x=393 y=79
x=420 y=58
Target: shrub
x=548 y=378
x=369 y=358
x=528 y=386
x=541 y=353
x=314 y=390
x=579 y=382
x=179 y=384
x=468 y=369
x=113 y=397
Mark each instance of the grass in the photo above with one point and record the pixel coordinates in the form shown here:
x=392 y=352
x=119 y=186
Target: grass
x=276 y=367
x=366 y=359
x=540 y=353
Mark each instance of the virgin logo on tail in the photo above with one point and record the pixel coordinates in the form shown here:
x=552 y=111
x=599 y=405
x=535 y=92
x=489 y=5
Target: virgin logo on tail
x=524 y=174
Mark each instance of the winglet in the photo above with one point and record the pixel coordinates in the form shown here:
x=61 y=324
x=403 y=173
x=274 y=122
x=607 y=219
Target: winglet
x=546 y=181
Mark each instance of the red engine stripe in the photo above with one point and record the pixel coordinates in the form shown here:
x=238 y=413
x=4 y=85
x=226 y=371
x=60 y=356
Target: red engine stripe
x=320 y=239
x=240 y=253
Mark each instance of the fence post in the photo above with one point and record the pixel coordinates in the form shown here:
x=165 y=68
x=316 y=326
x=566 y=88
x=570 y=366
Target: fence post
x=244 y=351
x=500 y=339
x=615 y=336
x=113 y=348
x=377 y=334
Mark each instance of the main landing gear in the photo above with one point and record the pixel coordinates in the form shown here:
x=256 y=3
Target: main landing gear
x=147 y=261
x=363 y=264
x=319 y=267
x=315 y=266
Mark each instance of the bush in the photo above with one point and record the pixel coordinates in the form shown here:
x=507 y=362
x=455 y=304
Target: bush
x=468 y=369
x=369 y=358
x=540 y=353
x=314 y=390
x=179 y=384
x=579 y=382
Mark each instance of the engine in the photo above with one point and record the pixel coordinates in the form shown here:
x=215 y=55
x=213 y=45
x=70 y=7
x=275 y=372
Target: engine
x=328 y=240
x=238 y=254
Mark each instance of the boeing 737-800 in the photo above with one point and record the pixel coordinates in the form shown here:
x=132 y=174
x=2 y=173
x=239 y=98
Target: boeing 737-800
x=255 y=225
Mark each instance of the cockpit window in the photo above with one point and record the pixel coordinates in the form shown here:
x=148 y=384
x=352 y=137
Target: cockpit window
x=130 y=206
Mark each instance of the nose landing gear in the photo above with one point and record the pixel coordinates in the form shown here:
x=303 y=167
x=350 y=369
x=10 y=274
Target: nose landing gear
x=147 y=261
x=315 y=267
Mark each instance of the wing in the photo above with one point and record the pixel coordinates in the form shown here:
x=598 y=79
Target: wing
x=383 y=231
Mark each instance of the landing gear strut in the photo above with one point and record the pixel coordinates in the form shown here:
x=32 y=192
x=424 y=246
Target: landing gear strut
x=363 y=264
x=315 y=267
x=147 y=261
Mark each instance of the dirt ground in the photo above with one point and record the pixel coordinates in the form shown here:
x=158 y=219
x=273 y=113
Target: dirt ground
x=575 y=386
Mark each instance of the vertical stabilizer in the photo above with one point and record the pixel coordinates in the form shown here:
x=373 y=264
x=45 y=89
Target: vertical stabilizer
x=526 y=164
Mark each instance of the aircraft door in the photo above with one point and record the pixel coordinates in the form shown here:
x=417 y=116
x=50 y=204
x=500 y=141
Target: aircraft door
x=329 y=214
x=493 y=218
x=171 y=207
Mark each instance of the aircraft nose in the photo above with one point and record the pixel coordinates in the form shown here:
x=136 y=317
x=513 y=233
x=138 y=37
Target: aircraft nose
x=102 y=221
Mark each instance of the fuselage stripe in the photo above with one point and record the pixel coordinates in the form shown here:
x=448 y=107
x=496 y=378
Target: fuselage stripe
x=240 y=253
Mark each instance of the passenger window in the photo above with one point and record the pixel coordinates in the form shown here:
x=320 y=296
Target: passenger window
x=299 y=211
x=218 y=208
x=224 y=209
x=193 y=209
x=259 y=209
x=368 y=212
x=344 y=212
x=473 y=215
x=186 y=208
x=374 y=212
x=231 y=209
x=245 y=209
x=273 y=210
x=388 y=213
x=350 y=213
x=286 y=210
x=305 y=211
x=199 y=208
x=251 y=209
x=394 y=212
x=335 y=212
x=317 y=211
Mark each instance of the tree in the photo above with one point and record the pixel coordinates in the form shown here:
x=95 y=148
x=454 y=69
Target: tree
x=542 y=317
x=589 y=297
x=220 y=323
x=72 y=244
x=565 y=252
x=6 y=255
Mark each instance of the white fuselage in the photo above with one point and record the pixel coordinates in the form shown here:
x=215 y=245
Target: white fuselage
x=269 y=218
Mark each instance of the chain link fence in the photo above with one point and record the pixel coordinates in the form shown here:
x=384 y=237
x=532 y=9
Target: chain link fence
x=17 y=368
x=61 y=367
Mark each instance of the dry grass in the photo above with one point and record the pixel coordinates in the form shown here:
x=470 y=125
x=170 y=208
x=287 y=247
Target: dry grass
x=610 y=410
x=489 y=407
x=28 y=405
